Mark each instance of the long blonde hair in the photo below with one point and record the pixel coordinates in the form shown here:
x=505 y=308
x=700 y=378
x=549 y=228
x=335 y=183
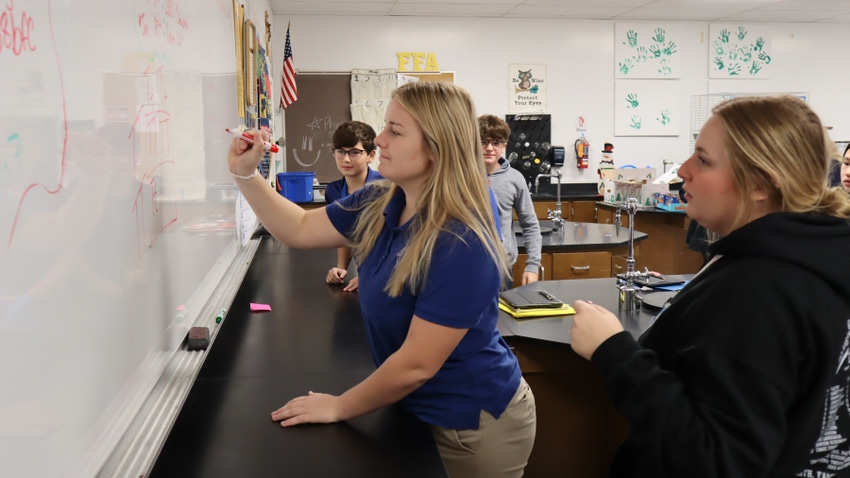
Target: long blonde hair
x=776 y=144
x=456 y=190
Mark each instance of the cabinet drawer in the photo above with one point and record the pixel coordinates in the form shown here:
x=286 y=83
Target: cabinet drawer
x=618 y=265
x=581 y=265
x=542 y=209
x=583 y=211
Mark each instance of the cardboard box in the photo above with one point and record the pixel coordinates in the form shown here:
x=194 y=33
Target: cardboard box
x=618 y=184
x=628 y=174
x=617 y=192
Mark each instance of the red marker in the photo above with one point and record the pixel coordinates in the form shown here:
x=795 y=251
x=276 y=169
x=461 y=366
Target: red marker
x=244 y=136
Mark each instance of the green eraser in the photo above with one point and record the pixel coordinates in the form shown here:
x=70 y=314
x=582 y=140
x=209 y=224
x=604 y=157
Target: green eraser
x=199 y=338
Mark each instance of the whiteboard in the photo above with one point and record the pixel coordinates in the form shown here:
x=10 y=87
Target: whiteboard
x=115 y=204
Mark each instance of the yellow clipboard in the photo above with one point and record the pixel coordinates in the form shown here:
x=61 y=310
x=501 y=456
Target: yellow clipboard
x=538 y=312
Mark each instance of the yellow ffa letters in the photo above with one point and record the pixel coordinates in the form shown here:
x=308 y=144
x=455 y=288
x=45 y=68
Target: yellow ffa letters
x=420 y=61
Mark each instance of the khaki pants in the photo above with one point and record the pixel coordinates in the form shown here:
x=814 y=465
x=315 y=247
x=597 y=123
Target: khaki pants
x=499 y=448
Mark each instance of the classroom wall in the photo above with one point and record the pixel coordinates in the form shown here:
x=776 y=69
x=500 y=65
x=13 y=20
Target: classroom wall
x=579 y=56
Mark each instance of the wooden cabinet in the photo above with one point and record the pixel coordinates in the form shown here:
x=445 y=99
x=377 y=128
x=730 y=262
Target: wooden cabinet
x=568 y=265
x=578 y=428
x=519 y=267
x=605 y=215
x=578 y=210
x=618 y=265
x=581 y=265
x=583 y=211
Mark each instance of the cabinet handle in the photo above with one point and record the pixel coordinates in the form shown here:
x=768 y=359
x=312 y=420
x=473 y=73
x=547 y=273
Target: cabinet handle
x=580 y=268
x=618 y=267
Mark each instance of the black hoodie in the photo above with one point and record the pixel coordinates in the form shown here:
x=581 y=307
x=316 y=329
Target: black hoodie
x=745 y=373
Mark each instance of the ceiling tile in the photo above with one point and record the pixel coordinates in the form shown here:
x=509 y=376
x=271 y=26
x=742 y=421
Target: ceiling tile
x=834 y=11
x=449 y=10
x=781 y=16
x=596 y=13
x=332 y=8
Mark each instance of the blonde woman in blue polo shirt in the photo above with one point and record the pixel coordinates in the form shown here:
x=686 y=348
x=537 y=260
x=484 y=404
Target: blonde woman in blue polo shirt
x=430 y=264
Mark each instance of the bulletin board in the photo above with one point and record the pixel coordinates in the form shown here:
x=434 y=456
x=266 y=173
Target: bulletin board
x=323 y=103
x=441 y=76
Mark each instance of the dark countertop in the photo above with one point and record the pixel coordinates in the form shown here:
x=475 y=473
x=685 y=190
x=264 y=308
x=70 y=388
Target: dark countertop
x=557 y=329
x=569 y=191
x=313 y=339
x=580 y=236
x=640 y=209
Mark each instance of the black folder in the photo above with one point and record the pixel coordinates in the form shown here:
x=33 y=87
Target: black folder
x=530 y=299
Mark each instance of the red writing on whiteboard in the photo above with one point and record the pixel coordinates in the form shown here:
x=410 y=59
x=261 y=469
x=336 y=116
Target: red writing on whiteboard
x=152 y=158
x=15 y=36
x=163 y=20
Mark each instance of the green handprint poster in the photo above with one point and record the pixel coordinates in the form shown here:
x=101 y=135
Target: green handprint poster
x=739 y=51
x=646 y=108
x=647 y=50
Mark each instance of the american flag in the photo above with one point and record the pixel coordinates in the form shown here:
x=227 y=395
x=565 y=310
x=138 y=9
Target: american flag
x=288 y=90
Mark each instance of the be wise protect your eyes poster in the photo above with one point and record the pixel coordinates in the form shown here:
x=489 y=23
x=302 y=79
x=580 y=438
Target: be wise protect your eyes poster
x=527 y=88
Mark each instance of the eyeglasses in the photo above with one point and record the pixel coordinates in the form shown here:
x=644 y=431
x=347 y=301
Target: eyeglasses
x=354 y=154
x=494 y=143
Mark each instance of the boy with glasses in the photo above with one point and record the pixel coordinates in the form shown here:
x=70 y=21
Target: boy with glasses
x=353 y=151
x=511 y=192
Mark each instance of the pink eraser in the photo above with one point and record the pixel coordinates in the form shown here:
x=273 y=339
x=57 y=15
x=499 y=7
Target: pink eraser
x=260 y=307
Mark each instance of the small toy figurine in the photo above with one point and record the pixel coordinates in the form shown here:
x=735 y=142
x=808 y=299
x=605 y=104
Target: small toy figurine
x=607 y=161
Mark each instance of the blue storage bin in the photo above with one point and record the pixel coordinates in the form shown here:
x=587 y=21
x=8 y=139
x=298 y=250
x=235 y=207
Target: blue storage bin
x=297 y=187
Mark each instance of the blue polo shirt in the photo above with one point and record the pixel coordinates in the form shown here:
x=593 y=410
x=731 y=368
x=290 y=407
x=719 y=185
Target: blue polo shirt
x=339 y=188
x=461 y=290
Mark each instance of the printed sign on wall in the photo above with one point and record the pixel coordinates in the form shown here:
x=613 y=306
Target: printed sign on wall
x=527 y=88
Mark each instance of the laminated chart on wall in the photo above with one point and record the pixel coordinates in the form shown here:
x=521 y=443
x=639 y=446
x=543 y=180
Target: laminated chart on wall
x=371 y=91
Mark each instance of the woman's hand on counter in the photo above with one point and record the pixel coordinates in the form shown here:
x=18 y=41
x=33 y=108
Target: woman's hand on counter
x=311 y=408
x=592 y=325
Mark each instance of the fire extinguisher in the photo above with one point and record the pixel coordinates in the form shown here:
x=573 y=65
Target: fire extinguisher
x=582 y=147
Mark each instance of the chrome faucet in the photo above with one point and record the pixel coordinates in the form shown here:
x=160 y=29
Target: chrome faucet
x=555 y=215
x=629 y=298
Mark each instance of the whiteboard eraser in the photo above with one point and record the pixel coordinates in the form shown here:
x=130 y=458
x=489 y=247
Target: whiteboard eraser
x=199 y=338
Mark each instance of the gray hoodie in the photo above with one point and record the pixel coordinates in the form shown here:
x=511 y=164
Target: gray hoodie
x=511 y=192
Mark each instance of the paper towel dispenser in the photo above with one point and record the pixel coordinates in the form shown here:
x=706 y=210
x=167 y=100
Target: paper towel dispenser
x=558 y=154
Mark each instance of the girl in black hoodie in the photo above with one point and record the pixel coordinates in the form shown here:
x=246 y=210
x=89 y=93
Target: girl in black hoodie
x=747 y=372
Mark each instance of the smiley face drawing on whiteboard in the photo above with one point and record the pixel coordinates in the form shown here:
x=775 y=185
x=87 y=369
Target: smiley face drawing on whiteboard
x=313 y=144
